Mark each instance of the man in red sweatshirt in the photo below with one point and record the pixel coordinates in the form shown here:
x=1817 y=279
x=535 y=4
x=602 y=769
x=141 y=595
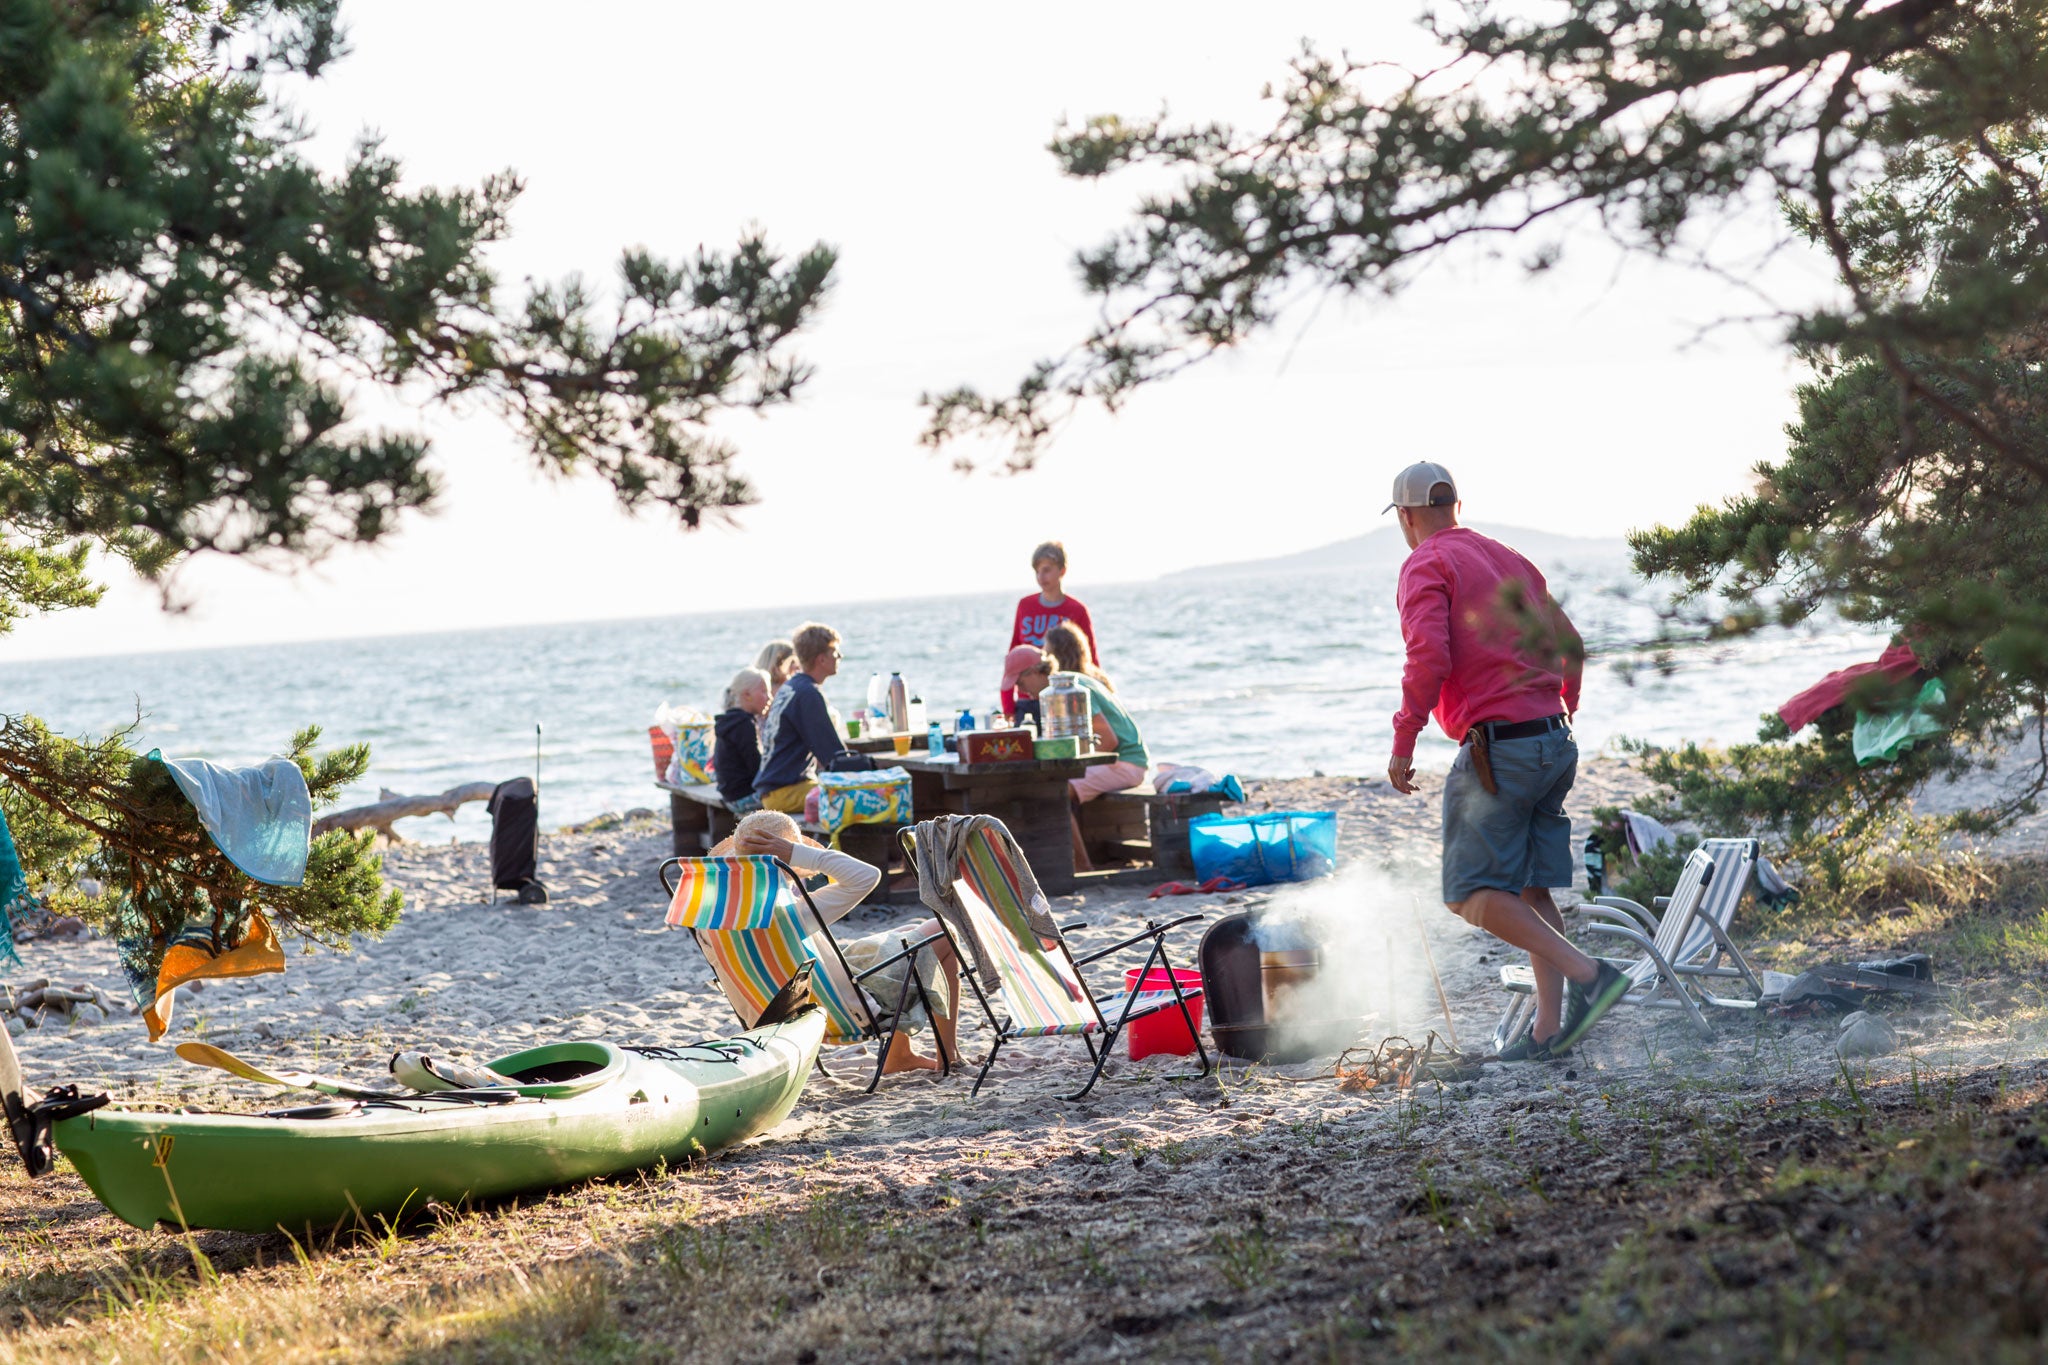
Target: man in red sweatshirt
x=1492 y=654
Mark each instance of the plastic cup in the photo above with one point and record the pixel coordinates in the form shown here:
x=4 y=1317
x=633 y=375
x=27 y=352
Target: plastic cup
x=902 y=743
x=853 y=727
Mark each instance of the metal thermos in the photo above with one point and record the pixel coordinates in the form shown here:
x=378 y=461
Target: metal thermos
x=899 y=704
x=1064 y=708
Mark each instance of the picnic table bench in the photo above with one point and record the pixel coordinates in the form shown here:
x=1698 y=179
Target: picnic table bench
x=1140 y=825
x=1029 y=797
x=698 y=817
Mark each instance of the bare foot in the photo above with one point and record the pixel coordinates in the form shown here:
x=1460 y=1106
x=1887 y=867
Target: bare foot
x=901 y=1058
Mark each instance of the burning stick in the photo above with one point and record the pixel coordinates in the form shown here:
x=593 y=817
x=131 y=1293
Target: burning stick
x=1430 y=958
x=1393 y=987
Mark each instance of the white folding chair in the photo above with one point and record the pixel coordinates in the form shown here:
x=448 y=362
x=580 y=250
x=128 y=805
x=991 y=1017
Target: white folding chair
x=1707 y=951
x=1684 y=941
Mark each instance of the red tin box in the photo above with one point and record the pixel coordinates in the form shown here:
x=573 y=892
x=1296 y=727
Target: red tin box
x=995 y=746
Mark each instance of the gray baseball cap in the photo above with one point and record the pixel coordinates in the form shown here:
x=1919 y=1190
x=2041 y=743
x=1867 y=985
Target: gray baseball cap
x=1412 y=485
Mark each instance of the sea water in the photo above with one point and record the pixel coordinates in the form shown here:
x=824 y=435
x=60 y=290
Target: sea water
x=1265 y=675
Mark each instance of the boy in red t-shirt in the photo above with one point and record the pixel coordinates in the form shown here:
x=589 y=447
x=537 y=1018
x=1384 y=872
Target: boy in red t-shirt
x=1040 y=611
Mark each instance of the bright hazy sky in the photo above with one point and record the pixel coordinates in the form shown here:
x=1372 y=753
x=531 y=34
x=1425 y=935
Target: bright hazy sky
x=912 y=137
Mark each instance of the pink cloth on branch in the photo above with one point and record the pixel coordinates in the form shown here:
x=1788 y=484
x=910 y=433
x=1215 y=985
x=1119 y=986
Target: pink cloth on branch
x=1895 y=664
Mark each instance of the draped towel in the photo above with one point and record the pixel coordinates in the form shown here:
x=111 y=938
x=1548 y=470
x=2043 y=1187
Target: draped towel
x=261 y=817
x=14 y=897
x=947 y=850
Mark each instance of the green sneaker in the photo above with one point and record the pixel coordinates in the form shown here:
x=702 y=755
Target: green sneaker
x=1583 y=1006
x=1527 y=1049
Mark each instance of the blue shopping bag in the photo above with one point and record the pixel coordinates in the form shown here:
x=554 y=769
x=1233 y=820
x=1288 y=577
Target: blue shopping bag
x=1279 y=846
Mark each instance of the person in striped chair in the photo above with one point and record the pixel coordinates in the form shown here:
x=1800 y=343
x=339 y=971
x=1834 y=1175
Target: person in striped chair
x=772 y=834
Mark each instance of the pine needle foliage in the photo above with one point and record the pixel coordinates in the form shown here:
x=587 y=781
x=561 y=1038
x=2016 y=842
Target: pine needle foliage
x=97 y=810
x=187 y=306
x=1905 y=143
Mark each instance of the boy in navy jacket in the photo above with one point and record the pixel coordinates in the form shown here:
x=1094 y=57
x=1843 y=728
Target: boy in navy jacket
x=804 y=733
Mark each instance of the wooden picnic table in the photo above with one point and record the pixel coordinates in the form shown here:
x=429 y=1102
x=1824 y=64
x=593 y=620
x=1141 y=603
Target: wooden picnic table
x=884 y=746
x=1029 y=797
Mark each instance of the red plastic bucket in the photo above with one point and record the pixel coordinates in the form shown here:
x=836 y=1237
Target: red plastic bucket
x=1165 y=1031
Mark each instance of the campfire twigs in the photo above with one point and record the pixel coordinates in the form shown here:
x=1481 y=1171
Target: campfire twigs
x=1399 y=1063
x=1423 y=933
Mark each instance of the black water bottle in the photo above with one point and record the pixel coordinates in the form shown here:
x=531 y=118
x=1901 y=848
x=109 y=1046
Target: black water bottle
x=1596 y=867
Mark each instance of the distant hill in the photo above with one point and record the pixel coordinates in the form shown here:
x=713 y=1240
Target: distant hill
x=1384 y=549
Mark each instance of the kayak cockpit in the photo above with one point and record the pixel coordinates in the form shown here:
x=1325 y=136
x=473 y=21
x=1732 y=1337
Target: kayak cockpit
x=559 y=1070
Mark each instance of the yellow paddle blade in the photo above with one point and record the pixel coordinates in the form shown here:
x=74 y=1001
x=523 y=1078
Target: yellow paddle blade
x=206 y=1054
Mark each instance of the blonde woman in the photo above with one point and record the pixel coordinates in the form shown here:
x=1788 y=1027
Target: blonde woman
x=771 y=834
x=778 y=660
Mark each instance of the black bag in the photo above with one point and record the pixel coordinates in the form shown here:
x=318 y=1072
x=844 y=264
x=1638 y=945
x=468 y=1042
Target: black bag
x=850 y=762
x=515 y=838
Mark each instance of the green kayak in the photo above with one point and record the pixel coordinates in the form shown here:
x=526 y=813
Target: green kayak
x=581 y=1110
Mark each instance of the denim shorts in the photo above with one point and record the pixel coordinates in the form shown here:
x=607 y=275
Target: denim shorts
x=1518 y=837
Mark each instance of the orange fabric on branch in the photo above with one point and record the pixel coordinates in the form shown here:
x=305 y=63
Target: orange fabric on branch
x=257 y=954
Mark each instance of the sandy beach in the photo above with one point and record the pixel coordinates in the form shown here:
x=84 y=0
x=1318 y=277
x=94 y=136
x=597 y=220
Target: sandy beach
x=1167 y=1168
x=467 y=977
x=462 y=975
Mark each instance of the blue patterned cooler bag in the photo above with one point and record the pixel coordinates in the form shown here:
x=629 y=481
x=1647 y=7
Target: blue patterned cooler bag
x=880 y=797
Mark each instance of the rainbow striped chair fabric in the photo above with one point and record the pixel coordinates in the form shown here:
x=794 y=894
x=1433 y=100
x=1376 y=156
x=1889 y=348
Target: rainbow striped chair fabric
x=1040 y=985
x=756 y=926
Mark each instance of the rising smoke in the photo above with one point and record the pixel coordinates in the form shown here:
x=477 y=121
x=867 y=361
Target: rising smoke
x=1373 y=969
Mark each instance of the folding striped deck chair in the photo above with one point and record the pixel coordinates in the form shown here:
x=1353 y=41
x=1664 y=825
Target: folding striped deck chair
x=1685 y=942
x=756 y=925
x=1042 y=992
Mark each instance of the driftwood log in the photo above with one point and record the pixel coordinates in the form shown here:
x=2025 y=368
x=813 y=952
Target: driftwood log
x=391 y=807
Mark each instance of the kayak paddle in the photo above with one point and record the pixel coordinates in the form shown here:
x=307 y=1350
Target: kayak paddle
x=206 y=1054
